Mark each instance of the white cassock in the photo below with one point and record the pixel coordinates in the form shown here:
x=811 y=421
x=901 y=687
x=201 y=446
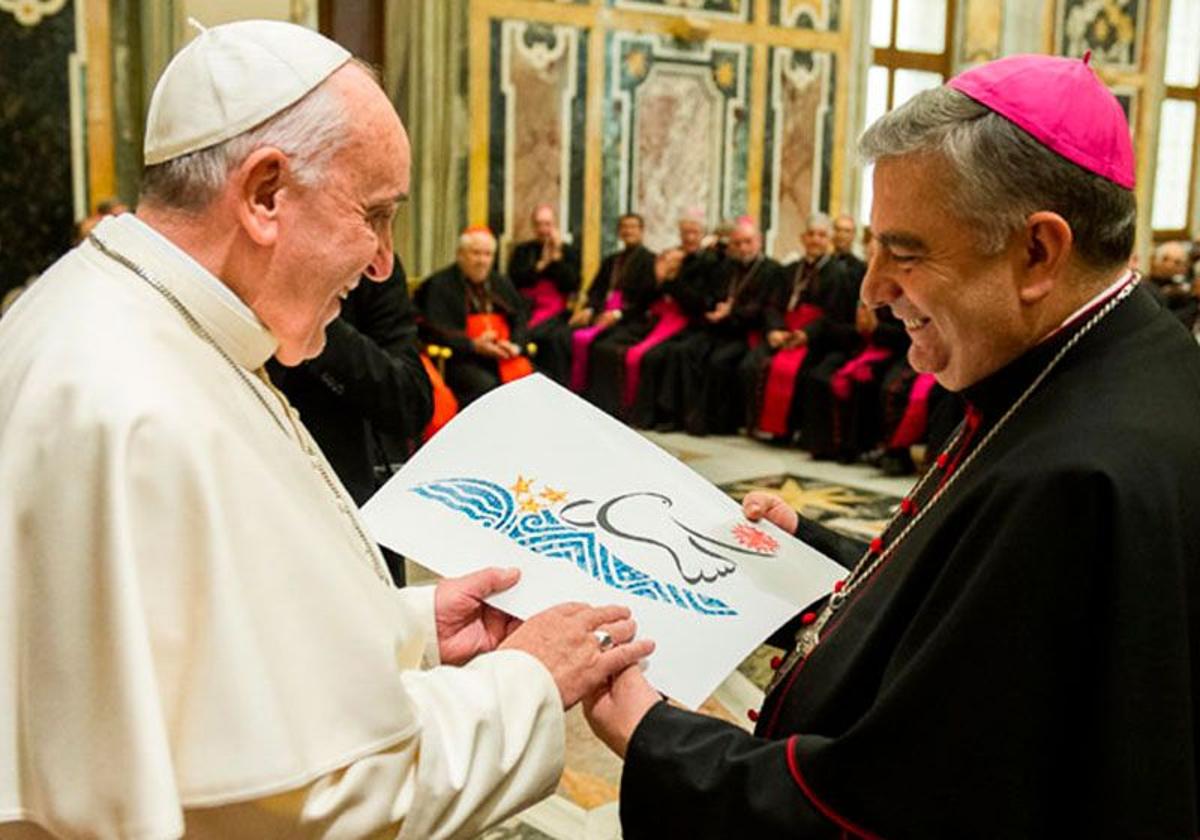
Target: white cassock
x=194 y=635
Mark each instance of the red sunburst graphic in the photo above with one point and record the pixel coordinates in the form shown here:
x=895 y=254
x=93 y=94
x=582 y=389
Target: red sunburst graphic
x=754 y=539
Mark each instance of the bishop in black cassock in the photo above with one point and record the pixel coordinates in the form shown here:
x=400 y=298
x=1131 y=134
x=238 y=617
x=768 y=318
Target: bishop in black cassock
x=1018 y=654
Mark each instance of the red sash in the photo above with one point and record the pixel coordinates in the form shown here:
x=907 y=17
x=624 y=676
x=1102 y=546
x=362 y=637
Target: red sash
x=497 y=324
x=581 y=345
x=916 y=414
x=781 y=374
x=445 y=406
x=545 y=301
x=857 y=369
x=671 y=321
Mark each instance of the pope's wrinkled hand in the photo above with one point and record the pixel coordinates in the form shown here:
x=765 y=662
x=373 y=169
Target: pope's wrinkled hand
x=615 y=710
x=466 y=626
x=565 y=639
x=758 y=505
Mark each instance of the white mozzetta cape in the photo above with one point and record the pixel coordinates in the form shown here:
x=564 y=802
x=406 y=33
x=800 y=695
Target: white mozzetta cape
x=192 y=637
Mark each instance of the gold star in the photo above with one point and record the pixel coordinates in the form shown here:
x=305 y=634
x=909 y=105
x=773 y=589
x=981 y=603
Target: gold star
x=523 y=486
x=530 y=506
x=553 y=496
x=833 y=499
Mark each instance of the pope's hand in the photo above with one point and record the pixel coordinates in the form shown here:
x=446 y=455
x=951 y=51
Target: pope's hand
x=466 y=626
x=759 y=505
x=616 y=709
x=564 y=639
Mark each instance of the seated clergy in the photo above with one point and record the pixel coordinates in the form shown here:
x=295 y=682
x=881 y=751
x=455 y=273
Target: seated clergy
x=733 y=302
x=608 y=369
x=624 y=285
x=844 y=230
x=545 y=270
x=650 y=395
x=477 y=313
x=810 y=324
x=841 y=407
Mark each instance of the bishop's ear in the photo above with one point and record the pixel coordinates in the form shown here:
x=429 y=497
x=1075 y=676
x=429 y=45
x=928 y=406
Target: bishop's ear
x=1048 y=245
x=260 y=179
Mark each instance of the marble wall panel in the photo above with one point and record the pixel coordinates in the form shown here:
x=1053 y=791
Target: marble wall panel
x=677 y=149
x=1111 y=29
x=798 y=161
x=37 y=213
x=820 y=15
x=538 y=100
x=675 y=132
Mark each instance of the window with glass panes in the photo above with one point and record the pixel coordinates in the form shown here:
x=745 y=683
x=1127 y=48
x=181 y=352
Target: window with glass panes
x=1172 y=213
x=910 y=48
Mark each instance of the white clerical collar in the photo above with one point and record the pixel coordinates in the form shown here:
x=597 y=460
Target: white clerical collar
x=230 y=322
x=1095 y=302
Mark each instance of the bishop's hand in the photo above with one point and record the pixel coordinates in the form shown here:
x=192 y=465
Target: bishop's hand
x=616 y=709
x=759 y=505
x=466 y=626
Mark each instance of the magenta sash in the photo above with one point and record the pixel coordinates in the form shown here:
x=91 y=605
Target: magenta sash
x=671 y=321
x=916 y=414
x=781 y=374
x=857 y=369
x=581 y=344
x=545 y=301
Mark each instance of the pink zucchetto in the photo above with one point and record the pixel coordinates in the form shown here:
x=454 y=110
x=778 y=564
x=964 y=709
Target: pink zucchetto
x=1063 y=104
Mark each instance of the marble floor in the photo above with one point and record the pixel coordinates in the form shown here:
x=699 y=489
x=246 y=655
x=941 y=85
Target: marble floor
x=855 y=500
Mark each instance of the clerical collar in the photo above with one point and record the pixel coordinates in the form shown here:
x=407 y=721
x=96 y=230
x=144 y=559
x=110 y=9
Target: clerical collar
x=223 y=315
x=172 y=251
x=993 y=394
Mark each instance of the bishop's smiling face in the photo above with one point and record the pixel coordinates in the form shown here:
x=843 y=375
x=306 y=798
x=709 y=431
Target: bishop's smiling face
x=961 y=307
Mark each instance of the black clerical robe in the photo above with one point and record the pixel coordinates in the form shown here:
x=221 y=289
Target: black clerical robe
x=824 y=294
x=446 y=299
x=841 y=413
x=551 y=334
x=1025 y=663
x=711 y=391
x=658 y=400
x=367 y=397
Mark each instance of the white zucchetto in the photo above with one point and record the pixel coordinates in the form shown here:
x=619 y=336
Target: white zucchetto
x=231 y=78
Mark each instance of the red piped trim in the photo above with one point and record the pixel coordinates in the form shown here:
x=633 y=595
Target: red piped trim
x=834 y=622
x=833 y=816
x=971 y=425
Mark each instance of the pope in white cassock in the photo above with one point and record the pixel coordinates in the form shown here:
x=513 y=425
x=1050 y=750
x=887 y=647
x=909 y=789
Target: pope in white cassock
x=197 y=636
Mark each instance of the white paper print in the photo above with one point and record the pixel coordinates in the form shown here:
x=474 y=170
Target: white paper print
x=534 y=477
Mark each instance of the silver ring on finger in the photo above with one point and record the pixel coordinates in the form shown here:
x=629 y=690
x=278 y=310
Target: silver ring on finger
x=604 y=639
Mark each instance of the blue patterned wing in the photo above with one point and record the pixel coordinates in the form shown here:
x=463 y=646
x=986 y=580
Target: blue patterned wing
x=493 y=506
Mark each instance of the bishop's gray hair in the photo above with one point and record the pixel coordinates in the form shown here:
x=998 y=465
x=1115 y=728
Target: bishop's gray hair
x=998 y=175
x=309 y=132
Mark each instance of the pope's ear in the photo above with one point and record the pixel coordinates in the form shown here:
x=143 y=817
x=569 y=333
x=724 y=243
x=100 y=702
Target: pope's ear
x=1048 y=244
x=259 y=181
